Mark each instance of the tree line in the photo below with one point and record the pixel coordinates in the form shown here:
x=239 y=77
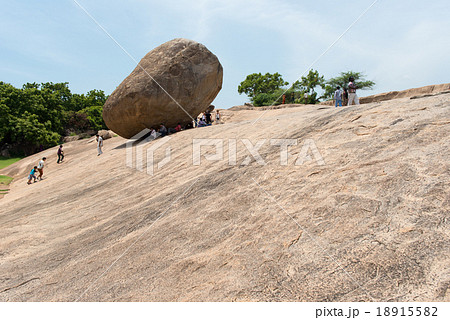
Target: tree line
x=268 y=89
x=37 y=116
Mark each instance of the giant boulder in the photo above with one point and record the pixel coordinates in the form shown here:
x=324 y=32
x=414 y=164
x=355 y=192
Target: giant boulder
x=172 y=84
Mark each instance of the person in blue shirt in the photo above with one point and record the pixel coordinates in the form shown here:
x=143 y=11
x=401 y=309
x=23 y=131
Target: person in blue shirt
x=338 y=97
x=32 y=175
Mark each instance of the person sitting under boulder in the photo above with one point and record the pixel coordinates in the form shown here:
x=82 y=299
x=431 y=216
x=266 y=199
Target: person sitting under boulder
x=162 y=130
x=201 y=123
x=178 y=127
x=153 y=134
x=208 y=117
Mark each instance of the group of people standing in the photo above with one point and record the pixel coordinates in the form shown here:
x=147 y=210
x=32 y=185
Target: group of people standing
x=347 y=96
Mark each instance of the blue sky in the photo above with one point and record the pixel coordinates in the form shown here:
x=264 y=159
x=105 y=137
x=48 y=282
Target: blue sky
x=398 y=44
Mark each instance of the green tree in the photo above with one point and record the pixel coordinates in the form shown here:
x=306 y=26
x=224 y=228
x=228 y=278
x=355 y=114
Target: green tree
x=39 y=114
x=342 y=81
x=257 y=83
x=269 y=99
x=306 y=87
x=95 y=98
x=94 y=115
x=5 y=114
x=30 y=131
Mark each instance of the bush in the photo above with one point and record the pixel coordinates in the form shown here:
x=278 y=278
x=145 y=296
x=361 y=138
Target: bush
x=36 y=115
x=269 y=99
x=76 y=122
x=95 y=117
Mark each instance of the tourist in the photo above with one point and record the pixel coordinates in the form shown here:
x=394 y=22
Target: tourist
x=153 y=134
x=162 y=130
x=217 y=117
x=338 y=97
x=60 y=154
x=32 y=175
x=352 y=97
x=208 y=117
x=178 y=127
x=201 y=123
x=99 y=144
x=40 y=168
x=345 y=97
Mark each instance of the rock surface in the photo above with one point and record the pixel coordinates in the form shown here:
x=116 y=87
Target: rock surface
x=371 y=224
x=184 y=69
x=106 y=134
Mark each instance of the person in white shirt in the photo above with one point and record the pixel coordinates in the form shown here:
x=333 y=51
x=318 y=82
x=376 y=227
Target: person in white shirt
x=217 y=117
x=153 y=134
x=40 y=168
x=99 y=144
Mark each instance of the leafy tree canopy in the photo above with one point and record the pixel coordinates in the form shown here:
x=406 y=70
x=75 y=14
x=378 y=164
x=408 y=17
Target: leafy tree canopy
x=257 y=83
x=37 y=115
x=268 y=89
x=307 y=85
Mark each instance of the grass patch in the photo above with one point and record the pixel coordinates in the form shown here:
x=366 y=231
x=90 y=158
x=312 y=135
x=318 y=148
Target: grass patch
x=4 y=162
x=5 y=180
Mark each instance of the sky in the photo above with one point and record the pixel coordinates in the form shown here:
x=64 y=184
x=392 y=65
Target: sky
x=398 y=44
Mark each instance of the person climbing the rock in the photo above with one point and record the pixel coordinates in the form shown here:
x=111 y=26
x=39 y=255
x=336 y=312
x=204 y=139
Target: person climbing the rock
x=352 y=97
x=32 y=175
x=60 y=154
x=40 y=168
x=99 y=144
x=338 y=97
